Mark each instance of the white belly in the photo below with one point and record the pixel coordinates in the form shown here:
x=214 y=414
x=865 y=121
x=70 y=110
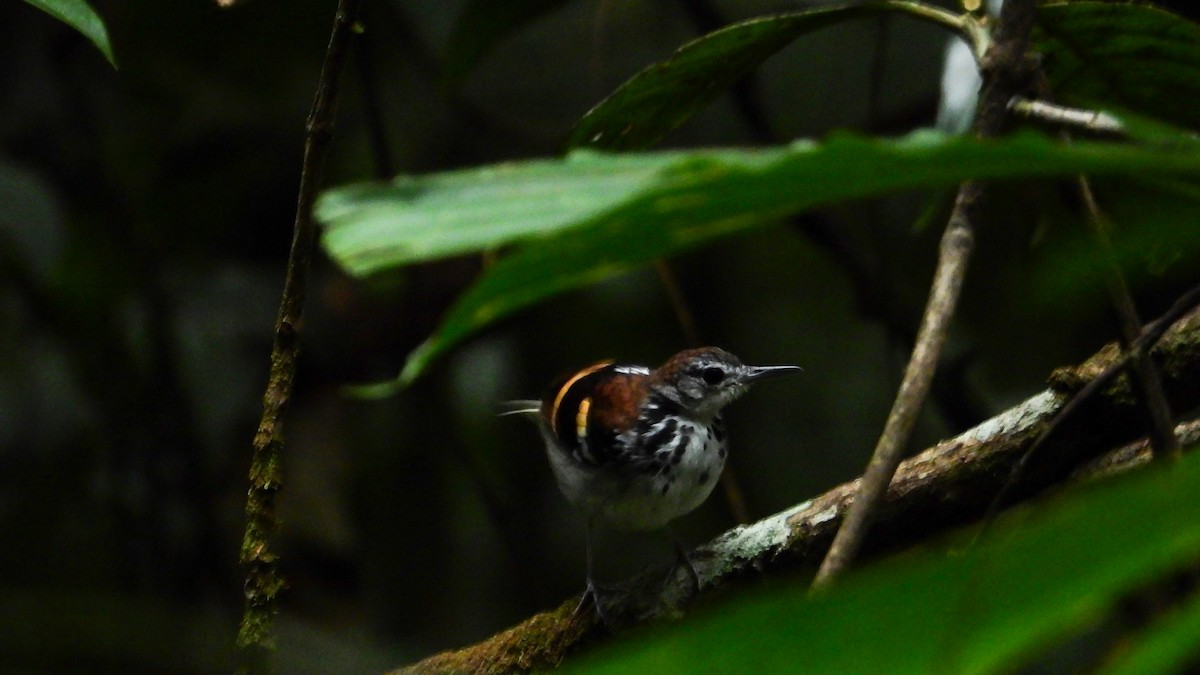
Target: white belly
x=646 y=495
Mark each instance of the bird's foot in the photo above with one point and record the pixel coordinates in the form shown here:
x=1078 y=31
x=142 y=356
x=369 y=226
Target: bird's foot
x=591 y=599
x=682 y=559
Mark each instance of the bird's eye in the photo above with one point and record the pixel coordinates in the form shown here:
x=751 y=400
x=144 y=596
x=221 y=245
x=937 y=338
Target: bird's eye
x=713 y=375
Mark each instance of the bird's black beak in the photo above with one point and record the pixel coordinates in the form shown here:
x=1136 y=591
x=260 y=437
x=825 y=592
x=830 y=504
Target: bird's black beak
x=757 y=373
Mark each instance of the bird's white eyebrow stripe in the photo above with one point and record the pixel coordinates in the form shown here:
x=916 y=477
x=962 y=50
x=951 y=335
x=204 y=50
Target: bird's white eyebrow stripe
x=631 y=370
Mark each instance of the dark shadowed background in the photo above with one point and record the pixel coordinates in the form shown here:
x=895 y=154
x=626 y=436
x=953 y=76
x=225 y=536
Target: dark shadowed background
x=145 y=215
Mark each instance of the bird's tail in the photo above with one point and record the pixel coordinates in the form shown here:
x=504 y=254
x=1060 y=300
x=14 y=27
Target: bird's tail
x=530 y=407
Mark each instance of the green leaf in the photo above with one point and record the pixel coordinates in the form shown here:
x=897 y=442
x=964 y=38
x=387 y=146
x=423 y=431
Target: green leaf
x=665 y=95
x=1170 y=645
x=1131 y=55
x=1039 y=577
x=373 y=226
x=78 y=14
x=483 y=23
x=591 y=216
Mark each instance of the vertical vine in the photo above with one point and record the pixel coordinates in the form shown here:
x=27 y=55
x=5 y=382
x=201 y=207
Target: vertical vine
x=256 y=635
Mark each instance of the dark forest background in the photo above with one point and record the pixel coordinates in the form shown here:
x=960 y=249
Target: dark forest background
x=145 y=215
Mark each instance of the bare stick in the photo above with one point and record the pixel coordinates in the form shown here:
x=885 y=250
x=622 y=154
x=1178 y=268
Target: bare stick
x=1087 y=121
x=683 y=312
x=1145 y=377
x=256 y=636
x=373 y=106
x=1003 y=68
x=955 y=251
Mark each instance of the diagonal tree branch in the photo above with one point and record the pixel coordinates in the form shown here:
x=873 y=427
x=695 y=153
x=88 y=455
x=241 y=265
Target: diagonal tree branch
x=263 y=581
x=1004 y=69
x=948 y=485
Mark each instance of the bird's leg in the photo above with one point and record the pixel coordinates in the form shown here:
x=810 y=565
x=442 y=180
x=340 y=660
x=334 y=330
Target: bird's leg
x=682 y=558
x=592 y=592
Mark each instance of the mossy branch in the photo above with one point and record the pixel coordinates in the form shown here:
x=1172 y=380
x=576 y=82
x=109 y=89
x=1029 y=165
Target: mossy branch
x=951 y=484
x=263 y=581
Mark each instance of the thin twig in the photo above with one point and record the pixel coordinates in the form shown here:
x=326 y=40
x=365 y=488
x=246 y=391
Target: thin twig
x=966 y=25
x=955 y=251
x=1144 y=375
x=735 y=497
x=1079 y=119
x=879 y=61
x=373 y=107
x=256 y=636
x=679 y=303
x=1138 y=453
x=1004 y=69
x=1149 y=337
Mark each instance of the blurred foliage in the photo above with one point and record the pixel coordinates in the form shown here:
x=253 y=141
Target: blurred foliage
x=1168 y=644
x=145 y=216
x=643 y=110
x=1040 y=575
x=1133 y=56
x=480 y=25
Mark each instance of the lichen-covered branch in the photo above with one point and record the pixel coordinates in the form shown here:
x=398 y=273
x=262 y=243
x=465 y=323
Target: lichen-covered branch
x=263 y=582
x=950 y=484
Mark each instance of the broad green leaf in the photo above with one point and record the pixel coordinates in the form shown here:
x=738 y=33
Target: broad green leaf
x=665 y=95
x=1039 y=577
x=591 y=216
x=1131 y=55
x=374 y=226
x=78 y=14
x=1170 y=645
x=483 y=23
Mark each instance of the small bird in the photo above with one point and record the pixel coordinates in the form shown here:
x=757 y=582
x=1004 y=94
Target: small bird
x=635 y=448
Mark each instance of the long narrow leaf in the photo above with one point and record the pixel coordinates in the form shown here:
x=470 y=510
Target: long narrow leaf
x=78 y=14
x=665 y=95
